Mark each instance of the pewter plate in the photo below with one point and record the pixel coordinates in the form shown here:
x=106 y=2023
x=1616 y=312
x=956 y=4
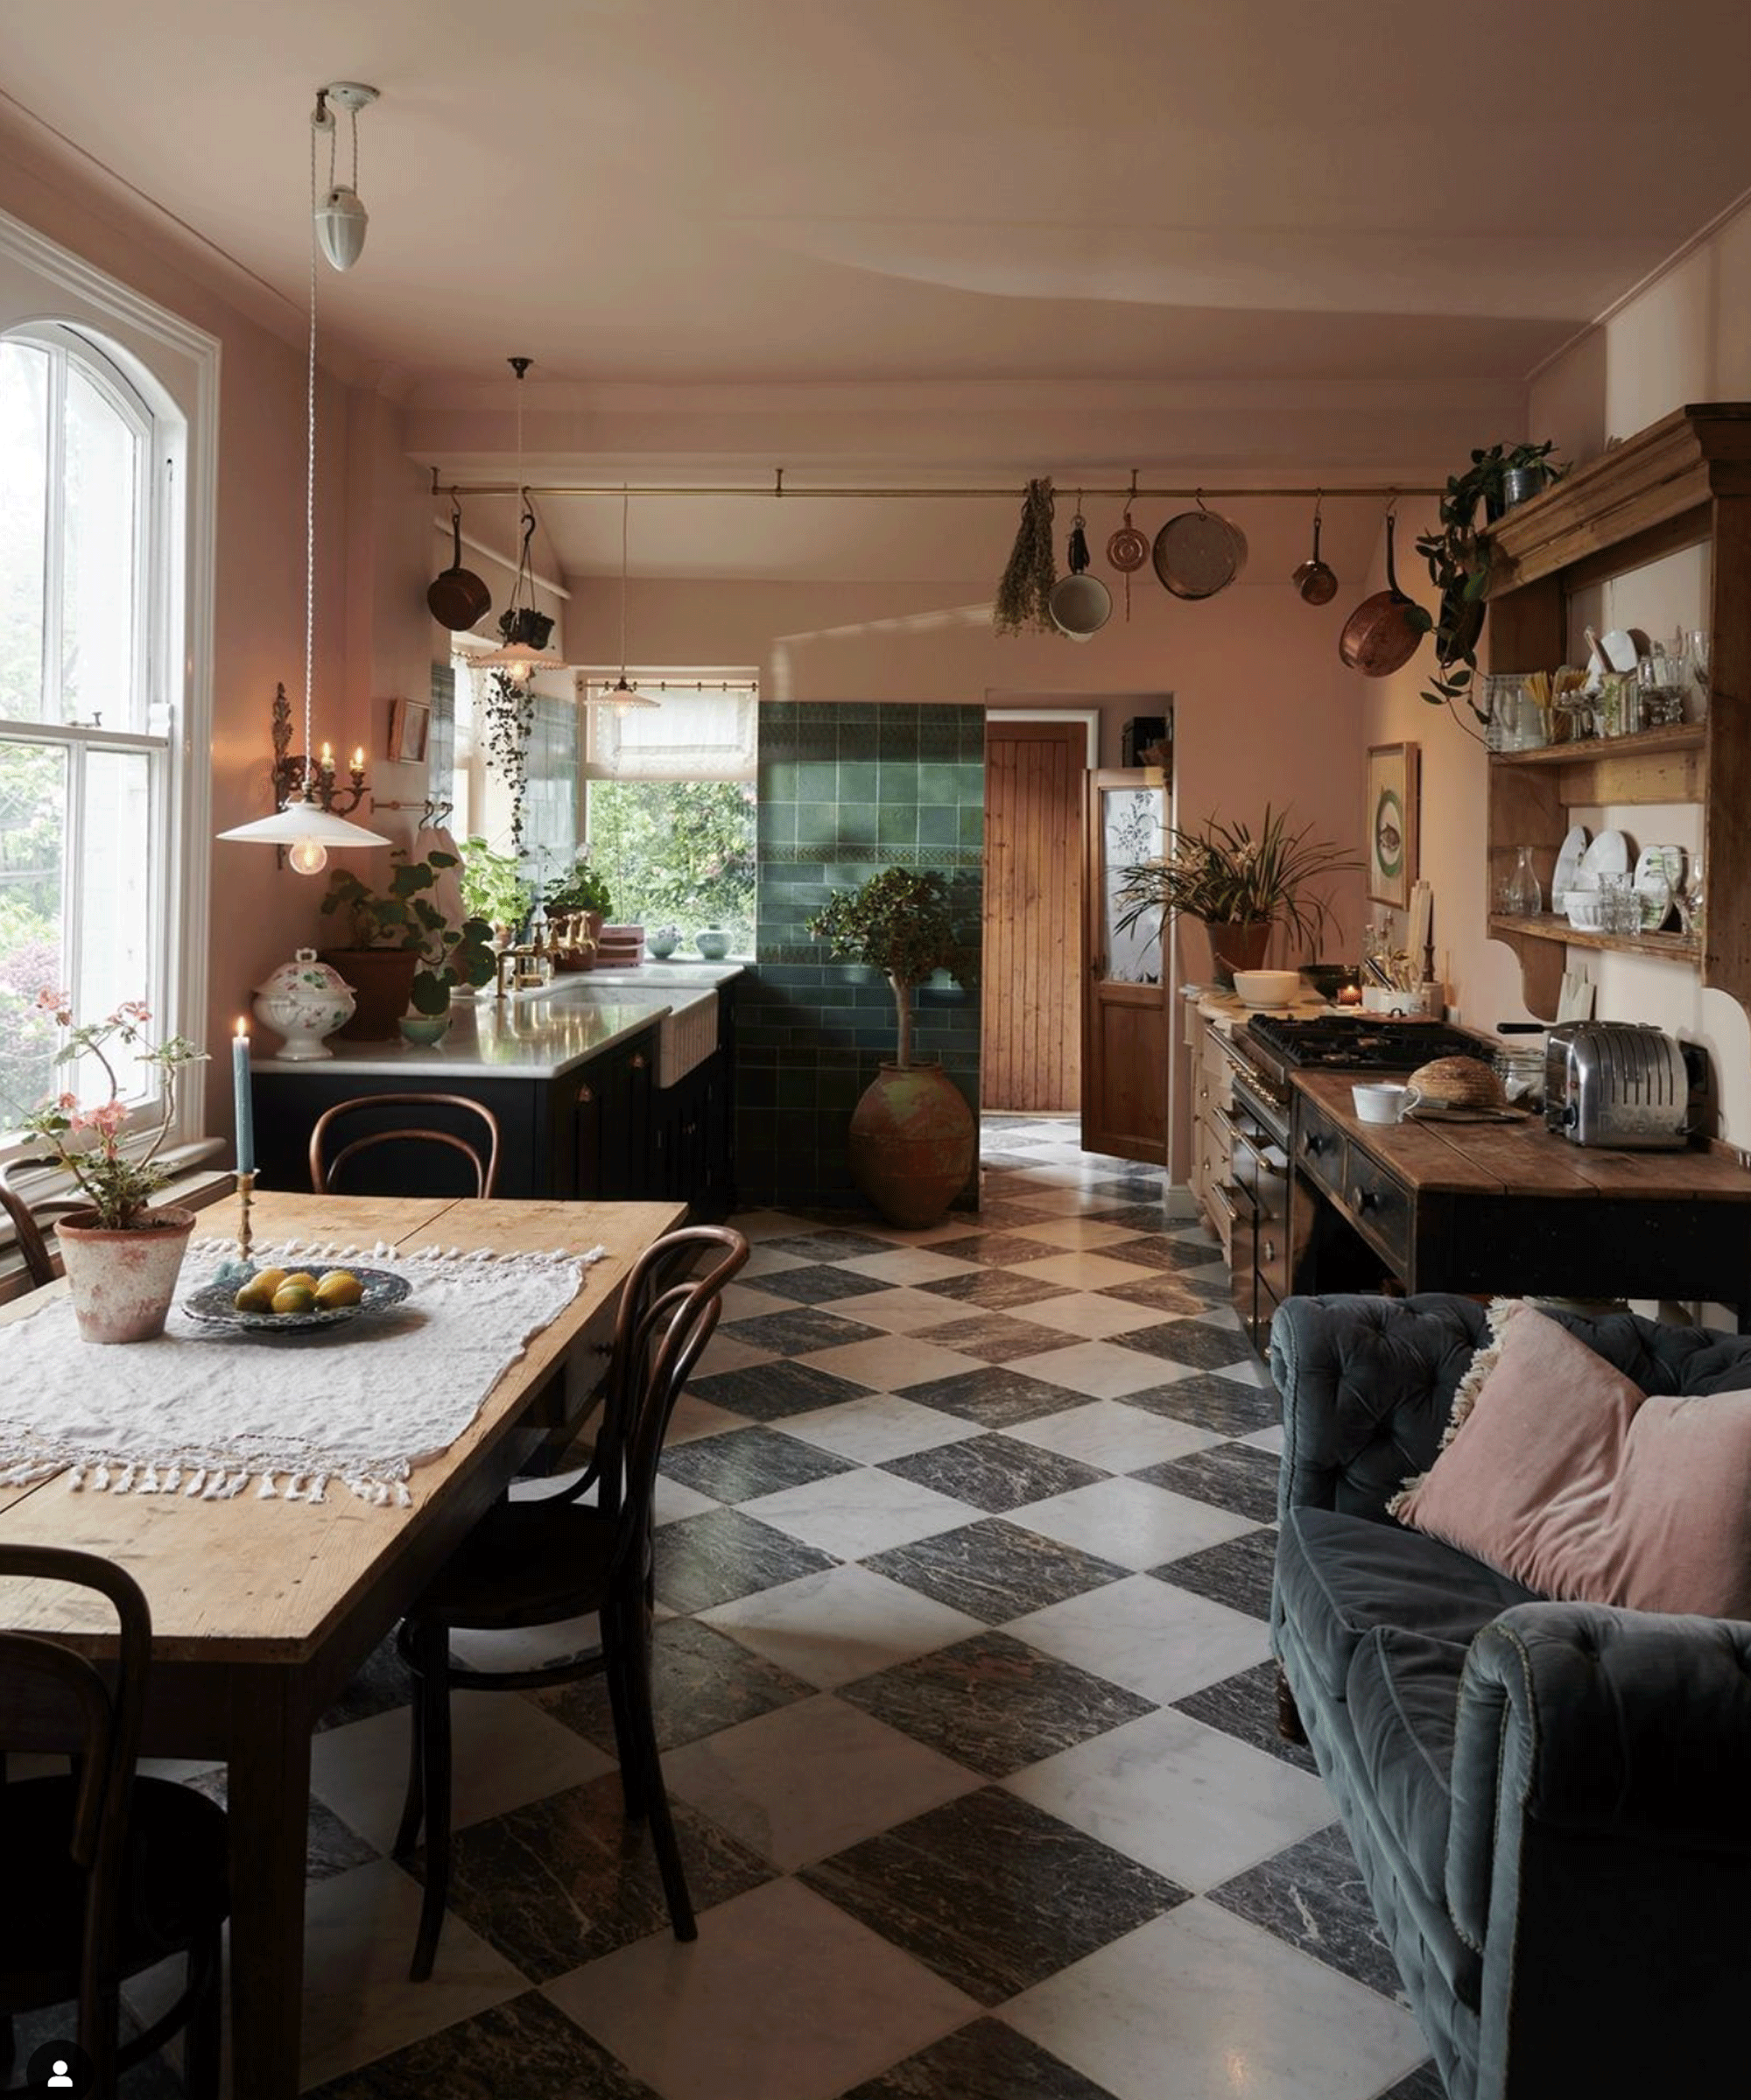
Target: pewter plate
x=383 y=1289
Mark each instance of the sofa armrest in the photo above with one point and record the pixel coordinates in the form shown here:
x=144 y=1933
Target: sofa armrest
x=1367 y=1386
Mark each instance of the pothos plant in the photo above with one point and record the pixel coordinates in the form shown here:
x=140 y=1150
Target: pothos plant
x=1458 y=556
x=898 y=922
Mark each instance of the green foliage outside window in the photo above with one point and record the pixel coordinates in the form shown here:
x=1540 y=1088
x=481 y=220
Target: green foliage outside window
x=677 y=853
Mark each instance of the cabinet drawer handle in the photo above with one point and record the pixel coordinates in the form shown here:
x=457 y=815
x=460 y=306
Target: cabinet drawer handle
x=584 y=1094
x=1364 y=1199
x=637 y=1060
x=1267 y=1248
x=1313 y=1144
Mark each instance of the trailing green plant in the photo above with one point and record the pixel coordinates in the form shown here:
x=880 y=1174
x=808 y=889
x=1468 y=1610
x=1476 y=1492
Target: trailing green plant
x=1023 y=597
x=494 y=887
x=1458 y=555
x=581 y=889
x=899 y=923
x=508 y=715
x=1224 y=876
x=402 y=917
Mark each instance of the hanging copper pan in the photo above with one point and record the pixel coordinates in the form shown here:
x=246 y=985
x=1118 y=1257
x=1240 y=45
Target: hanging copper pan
x=1381 y=635
x=457 y=597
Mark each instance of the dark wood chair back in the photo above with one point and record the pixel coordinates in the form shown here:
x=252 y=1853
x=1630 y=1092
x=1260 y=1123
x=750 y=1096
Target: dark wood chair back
x=391 y=1120
x=27 y=1228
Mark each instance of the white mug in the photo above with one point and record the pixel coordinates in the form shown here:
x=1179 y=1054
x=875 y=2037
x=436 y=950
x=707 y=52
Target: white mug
x=1384 y=1101
x=1380 y=998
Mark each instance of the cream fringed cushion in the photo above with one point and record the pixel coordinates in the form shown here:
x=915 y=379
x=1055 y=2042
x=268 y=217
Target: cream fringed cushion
x=1559 y=1470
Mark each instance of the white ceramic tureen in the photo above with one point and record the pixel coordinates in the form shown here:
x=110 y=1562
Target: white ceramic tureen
x=304 y=1000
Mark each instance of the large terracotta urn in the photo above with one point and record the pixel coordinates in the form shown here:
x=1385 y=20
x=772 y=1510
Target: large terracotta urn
x=123 y=1278
x=911 y=1143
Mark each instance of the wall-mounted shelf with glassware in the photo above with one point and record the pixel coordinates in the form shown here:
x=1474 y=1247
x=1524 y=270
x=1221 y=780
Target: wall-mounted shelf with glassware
x=1685 y=482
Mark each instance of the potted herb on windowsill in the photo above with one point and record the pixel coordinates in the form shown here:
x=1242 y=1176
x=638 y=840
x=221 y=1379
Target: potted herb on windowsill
x=912 y=1134
x=404 y=953
x=577 y=904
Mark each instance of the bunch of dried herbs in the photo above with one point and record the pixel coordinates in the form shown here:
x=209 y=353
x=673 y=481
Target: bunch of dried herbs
x=1024 y=595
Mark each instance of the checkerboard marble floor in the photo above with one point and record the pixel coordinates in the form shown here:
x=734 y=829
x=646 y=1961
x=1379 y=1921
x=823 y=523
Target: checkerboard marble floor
x=965 y=1706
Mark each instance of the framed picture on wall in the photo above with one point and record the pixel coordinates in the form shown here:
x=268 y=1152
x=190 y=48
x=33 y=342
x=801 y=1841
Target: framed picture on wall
x=410 y=724
x=1392 y=790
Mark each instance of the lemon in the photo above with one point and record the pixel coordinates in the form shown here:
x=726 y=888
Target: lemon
x=256 y=1295
x=266 y=1279
x=302 y=1277
x=293 y=1296
x=339 y=1287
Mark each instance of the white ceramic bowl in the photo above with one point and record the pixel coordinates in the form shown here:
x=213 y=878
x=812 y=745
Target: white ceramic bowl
x=1266 y=987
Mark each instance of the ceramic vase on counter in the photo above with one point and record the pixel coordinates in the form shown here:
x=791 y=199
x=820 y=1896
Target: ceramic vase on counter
x=304 y=1000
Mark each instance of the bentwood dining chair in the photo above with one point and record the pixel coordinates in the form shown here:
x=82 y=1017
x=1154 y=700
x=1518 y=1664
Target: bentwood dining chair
x=538 y=1560
x=410 y=1134
x=107 y=1874
x=27 y=1228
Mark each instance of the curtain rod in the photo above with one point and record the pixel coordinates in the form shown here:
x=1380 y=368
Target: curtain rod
x=780 y=488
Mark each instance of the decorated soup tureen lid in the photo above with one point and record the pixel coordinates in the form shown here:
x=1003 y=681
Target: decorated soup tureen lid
x=304 y=977
x=305 y=999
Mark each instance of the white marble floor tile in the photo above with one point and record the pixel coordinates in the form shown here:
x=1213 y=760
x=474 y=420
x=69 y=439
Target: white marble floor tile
x=892 y=1364
x=908 y=1265
x=900 y=1309
x=783 y=1997
x=1103 y=1370
x=1087 y=1313
x=1074 y=1232
x=840 y=1625
x=769 y=1260
x=812 y=1778
x=1201 y=2005
x=878 y=1426
x=675 y=1500
x=748 y=1302
x=853 y=1514
x=1186 y=1800
x=1248 y=1372
x=1059 y=1174
x=1133 y=1522
x=1085 y=1271
x=1107 y=1433
x=771 y=1224
x=955 y=1224
x=695 y=1418
x=1147 y=1636
x=507 y=1752
x=1268 y=1439
x=1065 y=1203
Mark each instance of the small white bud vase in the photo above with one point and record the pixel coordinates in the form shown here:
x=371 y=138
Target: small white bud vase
x=304 y=1000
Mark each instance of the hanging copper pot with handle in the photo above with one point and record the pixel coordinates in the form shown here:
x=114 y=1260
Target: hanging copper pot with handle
x=1381 y=635
x=458 y=598
x=1316 y=580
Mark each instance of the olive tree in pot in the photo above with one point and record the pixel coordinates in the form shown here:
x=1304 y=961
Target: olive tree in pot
x=912 y=1134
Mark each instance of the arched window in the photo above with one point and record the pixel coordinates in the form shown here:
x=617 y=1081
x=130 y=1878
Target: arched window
x=91 y=635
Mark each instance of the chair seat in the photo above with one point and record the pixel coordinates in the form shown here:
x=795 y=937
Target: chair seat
x=526 y=1563
x=173 y=1883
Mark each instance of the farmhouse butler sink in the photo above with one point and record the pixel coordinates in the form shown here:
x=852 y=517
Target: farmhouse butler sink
x=688 y=1033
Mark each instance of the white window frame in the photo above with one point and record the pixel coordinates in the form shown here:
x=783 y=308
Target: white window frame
x=47 y=294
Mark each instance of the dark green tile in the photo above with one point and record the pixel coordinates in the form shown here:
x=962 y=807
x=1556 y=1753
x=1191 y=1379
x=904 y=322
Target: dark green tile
x=898 y=823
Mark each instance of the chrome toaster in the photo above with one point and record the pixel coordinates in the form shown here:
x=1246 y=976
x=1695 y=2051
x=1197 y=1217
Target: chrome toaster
x=1624 y=1083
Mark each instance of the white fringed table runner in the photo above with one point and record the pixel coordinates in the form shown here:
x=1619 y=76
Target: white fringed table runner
x=205 y=1411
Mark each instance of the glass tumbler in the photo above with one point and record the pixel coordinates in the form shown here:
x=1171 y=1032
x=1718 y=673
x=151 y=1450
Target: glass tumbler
x=1621 y=910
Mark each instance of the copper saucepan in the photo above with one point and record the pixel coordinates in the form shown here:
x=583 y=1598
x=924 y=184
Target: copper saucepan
x=1381 y=635
x=1315 y=579
x=458 y=597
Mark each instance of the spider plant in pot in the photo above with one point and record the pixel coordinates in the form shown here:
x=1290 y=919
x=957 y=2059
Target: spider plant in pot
x=912 y=1136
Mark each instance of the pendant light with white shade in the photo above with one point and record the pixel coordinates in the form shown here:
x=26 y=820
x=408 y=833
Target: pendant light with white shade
x=624 y=699
x=302 y=827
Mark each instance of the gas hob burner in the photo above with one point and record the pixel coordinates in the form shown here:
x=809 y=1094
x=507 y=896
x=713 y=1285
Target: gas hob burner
x=1365 y=1042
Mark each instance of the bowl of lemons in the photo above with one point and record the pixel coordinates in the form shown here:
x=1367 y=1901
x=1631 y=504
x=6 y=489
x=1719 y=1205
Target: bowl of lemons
x=282 y=1300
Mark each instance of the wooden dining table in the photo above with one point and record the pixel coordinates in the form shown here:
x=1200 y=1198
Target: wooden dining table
x=264 y=1610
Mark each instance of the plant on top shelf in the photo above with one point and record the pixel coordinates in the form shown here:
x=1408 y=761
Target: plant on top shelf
x=1224 y=876
x=898 y=922
x=581 y=888
x=404 y=917
x=1458 y=556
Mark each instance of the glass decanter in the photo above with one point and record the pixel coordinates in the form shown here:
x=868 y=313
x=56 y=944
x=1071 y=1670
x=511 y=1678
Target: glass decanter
x=1521 y=896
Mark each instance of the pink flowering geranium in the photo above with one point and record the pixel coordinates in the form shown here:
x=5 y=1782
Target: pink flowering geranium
x=87 y=1142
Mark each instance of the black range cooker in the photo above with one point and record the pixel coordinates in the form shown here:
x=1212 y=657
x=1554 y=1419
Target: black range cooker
x=1286 y=1238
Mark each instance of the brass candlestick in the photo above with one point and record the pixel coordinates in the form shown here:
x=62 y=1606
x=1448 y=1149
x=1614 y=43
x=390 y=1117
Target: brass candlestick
x=245 y=1183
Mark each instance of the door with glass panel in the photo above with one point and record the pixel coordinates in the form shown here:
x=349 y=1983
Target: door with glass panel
x=1124 y=1004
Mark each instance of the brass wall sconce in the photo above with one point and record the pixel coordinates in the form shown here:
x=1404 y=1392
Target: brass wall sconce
x=295 y=779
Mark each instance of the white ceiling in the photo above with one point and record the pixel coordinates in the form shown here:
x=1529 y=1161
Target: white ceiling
x=922 y=239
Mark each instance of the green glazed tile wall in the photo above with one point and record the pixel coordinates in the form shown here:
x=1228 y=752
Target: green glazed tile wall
x=846 y=791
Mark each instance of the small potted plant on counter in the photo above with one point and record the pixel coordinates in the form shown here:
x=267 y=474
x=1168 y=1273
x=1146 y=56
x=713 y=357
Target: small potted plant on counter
x=493 y=888
x=577 y=904
x=404 y=953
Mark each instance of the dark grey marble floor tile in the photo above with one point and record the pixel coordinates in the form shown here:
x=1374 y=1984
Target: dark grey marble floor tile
x=1134 y=1216
x=995 y=1250
x=525 y=2048
x=700 y=1682
x=382 y=1682
x=994 y=1472
x=708 y=1560
x=813 y=1283
x=1162 y=1291
x=994 y=1570
x=568 y=1878
x=1233 y=1476
x=797 y=1333
x=995 y=1704
x=997 y=1398
x=995 y=1337
x=331 y=1846
x=991 y=1893
x=995 y=1290
x=1312 y=1896
x=1192 y=1342
x=150 y=2079
x=1238 y=1572
x=998 y=1209
x=1245 y=1706
x=986 y=2060
x=1213 y=1402
x=1423 y=2083
x=1214 y=1285
x=832 y=1243
x=737 y=1464
x=1161 y=1251
x=769 y=1391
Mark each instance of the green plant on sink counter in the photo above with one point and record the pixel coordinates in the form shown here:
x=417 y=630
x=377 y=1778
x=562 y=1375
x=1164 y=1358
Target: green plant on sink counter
x=404 y=917
x=581 y=889
x=494 y=888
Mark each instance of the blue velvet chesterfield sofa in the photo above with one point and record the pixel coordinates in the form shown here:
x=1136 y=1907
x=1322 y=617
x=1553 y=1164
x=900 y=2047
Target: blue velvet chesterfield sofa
x=1551 y=1803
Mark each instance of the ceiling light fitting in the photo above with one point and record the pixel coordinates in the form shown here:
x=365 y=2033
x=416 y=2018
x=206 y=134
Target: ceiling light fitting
x=622 y=697
x=341 y=217
x=524 y=628
x=304 y=824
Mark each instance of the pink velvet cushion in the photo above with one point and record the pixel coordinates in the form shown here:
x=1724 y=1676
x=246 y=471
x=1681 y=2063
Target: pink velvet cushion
x=1560 y=1472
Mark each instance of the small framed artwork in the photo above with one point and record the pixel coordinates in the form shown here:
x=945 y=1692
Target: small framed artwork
x=1392 y=791
x=410 y=724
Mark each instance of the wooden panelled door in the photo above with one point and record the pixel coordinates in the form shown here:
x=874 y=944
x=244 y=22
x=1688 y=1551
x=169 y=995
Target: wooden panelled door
x=1124 y=1035
x=1031 y=999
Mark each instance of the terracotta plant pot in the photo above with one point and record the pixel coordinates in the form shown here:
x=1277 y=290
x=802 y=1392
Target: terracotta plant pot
x=382 y=982
x=911 y=1143
x=1211 y=951
x=121 y=1280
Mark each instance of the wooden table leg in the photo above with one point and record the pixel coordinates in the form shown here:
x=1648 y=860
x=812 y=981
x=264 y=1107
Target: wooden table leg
x=268 y=1801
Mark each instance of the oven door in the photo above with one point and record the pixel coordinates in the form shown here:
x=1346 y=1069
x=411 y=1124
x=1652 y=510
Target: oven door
x=1262 y=1180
